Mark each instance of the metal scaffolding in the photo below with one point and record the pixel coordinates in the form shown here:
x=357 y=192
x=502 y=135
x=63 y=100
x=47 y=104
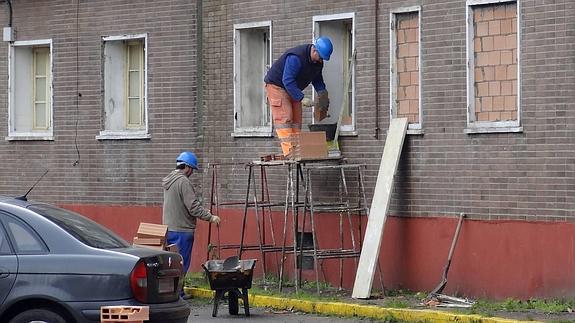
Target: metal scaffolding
x=300 y=175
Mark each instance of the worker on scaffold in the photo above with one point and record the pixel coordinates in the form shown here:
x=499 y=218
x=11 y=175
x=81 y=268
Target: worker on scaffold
x=285 y=81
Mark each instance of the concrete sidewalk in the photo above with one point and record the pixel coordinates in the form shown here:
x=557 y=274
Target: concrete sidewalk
x=342 y=309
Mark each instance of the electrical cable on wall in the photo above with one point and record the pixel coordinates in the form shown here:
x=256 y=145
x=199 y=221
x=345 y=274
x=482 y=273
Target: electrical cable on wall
x=77 y=161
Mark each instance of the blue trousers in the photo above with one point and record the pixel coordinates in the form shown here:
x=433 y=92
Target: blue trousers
x=185 y=242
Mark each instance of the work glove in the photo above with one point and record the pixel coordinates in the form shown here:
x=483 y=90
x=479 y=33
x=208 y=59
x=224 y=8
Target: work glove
x=307 y=102
x=215 y=219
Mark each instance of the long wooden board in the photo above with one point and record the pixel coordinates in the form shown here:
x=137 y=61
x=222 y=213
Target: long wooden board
x=379 y=207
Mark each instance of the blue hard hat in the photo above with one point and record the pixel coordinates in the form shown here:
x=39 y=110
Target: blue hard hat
x=324 y=47
x=188 y=158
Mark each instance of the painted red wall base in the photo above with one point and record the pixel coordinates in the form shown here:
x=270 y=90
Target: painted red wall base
x=494 y=259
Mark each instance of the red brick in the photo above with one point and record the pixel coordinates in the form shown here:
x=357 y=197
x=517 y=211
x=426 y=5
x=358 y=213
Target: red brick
x=494 y=27
x=494 y=88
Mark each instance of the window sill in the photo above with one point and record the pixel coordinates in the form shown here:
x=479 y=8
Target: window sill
x=478 y=130
x=348 y=133
x=416 y=132
x=265 y=134
x=15 y=137
x=122 y=135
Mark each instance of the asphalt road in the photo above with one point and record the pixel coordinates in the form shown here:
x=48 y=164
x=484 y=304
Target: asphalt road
x=202 y=312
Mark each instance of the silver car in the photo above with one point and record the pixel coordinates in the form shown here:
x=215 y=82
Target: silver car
x=60 y=267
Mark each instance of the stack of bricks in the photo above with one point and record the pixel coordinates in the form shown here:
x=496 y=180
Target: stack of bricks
x=151 y=235
x=308 y=145
x=124 y=314
x=495 y=74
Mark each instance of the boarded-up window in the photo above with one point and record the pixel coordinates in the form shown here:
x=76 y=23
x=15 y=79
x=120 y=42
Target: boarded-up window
x=495 y=47
x=494 y=83
x=406 y=100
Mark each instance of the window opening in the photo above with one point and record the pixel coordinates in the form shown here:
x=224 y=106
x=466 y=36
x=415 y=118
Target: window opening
x=252 y=60
x=124 y=88
x=340 y=28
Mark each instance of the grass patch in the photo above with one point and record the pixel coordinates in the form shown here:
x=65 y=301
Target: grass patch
x=549 y=306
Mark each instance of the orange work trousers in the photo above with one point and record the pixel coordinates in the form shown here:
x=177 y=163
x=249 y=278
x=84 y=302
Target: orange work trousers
x=286 y=115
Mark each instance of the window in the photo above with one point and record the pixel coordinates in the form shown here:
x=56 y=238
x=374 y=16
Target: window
x=82 y=228
x=124 y=85
x=252 y=57
x=30 y=94
x=4 y=244
x=405 y=62
x=493 y=67
x=26 y=241
x=339 y=71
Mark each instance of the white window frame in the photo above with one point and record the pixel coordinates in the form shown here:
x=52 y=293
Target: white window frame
x=128 y=133
x=345 y=130
x=489 y=126
x=47 y=134
x=47 y=90
x=267 y=129
x=412 y=128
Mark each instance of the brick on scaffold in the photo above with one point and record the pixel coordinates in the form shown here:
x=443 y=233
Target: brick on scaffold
x=116 y=314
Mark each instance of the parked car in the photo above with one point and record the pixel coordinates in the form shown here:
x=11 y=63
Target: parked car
x=58 y=266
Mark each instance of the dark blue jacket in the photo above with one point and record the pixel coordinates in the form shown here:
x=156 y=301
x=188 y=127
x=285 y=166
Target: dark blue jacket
x=294 y=71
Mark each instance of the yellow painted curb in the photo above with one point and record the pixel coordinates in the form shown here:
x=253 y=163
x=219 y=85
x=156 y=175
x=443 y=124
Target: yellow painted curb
x=357 y=310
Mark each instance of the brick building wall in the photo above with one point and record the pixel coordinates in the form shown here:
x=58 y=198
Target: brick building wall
x=512 y=183
x=109 y=172
x=525 y=175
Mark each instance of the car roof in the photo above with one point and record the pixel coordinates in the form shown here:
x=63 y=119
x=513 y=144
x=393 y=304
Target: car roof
x=14 y=201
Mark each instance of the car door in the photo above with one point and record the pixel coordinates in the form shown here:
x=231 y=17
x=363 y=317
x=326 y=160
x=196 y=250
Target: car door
x=8 y=262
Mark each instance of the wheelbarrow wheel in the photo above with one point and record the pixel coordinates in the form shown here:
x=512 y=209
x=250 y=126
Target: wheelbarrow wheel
x=233 y=304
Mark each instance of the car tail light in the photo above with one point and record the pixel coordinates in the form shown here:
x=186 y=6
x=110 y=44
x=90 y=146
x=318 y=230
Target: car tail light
x=139 y=281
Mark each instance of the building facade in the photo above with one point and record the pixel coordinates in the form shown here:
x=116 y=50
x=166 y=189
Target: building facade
x=105 y=95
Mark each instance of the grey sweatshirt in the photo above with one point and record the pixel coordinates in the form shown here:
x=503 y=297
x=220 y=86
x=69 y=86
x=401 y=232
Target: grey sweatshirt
x=181 y=207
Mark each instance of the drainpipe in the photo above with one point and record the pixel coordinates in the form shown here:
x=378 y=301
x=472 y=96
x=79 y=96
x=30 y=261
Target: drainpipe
x=200 y=73
x=9 y=2
x=376 y=10
x=8 y=32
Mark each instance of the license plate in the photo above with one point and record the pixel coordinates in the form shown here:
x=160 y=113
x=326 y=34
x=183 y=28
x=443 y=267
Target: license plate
x=166 y=285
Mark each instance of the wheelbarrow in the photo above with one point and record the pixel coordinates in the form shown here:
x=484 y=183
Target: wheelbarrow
x=233 y=277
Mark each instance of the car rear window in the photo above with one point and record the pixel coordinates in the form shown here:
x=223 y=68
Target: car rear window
x=82 y=228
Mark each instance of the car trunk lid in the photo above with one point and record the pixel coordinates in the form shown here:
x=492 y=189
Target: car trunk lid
x=157 y=278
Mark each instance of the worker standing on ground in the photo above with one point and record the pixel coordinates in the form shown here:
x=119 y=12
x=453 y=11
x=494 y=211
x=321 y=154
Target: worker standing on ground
x=182 y=208
x=285 y=81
